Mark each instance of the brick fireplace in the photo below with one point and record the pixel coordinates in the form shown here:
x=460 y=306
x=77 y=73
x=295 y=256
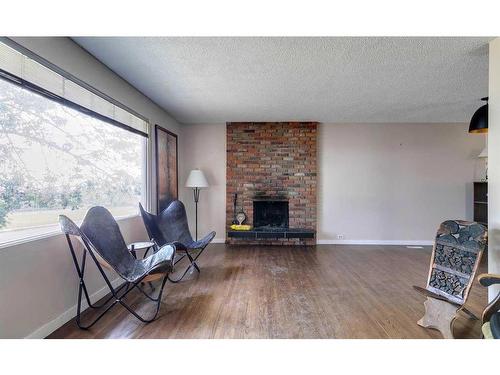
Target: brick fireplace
x=272 y=162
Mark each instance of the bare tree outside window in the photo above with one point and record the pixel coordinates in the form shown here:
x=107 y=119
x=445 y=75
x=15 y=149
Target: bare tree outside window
x=54 y=159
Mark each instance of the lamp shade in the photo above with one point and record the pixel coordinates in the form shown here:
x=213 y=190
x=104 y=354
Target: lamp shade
x=479 y=120
x=484 y=153
x=196 y=179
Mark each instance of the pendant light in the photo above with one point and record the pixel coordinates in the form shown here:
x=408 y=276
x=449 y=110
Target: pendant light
x=479 y=120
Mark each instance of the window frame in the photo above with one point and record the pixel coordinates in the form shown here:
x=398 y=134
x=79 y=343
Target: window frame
x=50 y=233
x=47 y=64
x=6 y=76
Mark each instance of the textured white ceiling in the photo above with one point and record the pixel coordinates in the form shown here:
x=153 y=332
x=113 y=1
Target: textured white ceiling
x=341 y=79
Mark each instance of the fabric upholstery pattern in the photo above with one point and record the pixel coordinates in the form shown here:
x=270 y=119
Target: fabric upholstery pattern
x=455 y=258
x=448 y=283
x=457 y=252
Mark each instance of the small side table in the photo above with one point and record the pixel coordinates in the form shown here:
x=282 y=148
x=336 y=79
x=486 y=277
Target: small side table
x=142 y=245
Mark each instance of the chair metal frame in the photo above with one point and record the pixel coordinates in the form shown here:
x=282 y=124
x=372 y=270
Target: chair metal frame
x=69 y=229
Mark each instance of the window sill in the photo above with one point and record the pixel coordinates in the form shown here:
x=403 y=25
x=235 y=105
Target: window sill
x=51 y=232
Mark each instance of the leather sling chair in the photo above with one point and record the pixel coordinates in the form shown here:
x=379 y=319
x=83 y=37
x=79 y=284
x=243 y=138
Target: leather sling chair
x=103 y=242
x=171 y=226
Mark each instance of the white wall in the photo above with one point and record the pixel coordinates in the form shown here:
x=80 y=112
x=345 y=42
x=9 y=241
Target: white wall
x=394 y=182
x=204 y=147
x=388 y=183
x=493 y=164
x=38 y=284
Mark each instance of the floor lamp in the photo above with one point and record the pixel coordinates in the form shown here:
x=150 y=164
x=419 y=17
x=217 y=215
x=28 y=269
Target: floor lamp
x=196 y=180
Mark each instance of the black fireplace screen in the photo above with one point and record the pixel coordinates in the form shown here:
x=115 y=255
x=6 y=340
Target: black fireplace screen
x=271 y=214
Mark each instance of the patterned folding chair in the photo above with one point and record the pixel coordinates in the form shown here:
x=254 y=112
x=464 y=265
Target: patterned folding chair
x=171 y=227
x=455 y=258
x=103 y=242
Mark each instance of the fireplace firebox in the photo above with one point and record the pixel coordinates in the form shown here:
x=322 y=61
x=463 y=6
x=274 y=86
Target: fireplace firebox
x=270 y=214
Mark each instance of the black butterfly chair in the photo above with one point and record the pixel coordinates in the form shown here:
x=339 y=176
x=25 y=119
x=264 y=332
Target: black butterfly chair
x=103 y=241
x=171 y=226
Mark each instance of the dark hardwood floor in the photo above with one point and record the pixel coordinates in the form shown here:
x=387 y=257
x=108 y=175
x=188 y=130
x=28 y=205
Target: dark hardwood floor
x=326 y=291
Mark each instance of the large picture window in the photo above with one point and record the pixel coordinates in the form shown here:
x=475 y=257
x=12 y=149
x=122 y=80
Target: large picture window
x=58 y=160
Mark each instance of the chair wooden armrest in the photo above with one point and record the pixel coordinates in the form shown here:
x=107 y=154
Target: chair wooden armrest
x=487 y=279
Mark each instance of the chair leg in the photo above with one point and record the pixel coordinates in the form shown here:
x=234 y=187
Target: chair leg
x=102 y=304
x=157 y=300
x=80 y=269
x=195 y=265
x=192 y=263
x=114 y=295
x=193 y=260
x=119 y=299
x=85 y=327
x=152 y=289
x=179 y=279
x=439 y=315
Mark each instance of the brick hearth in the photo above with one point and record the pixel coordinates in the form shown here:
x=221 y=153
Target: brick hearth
x=272 y=159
